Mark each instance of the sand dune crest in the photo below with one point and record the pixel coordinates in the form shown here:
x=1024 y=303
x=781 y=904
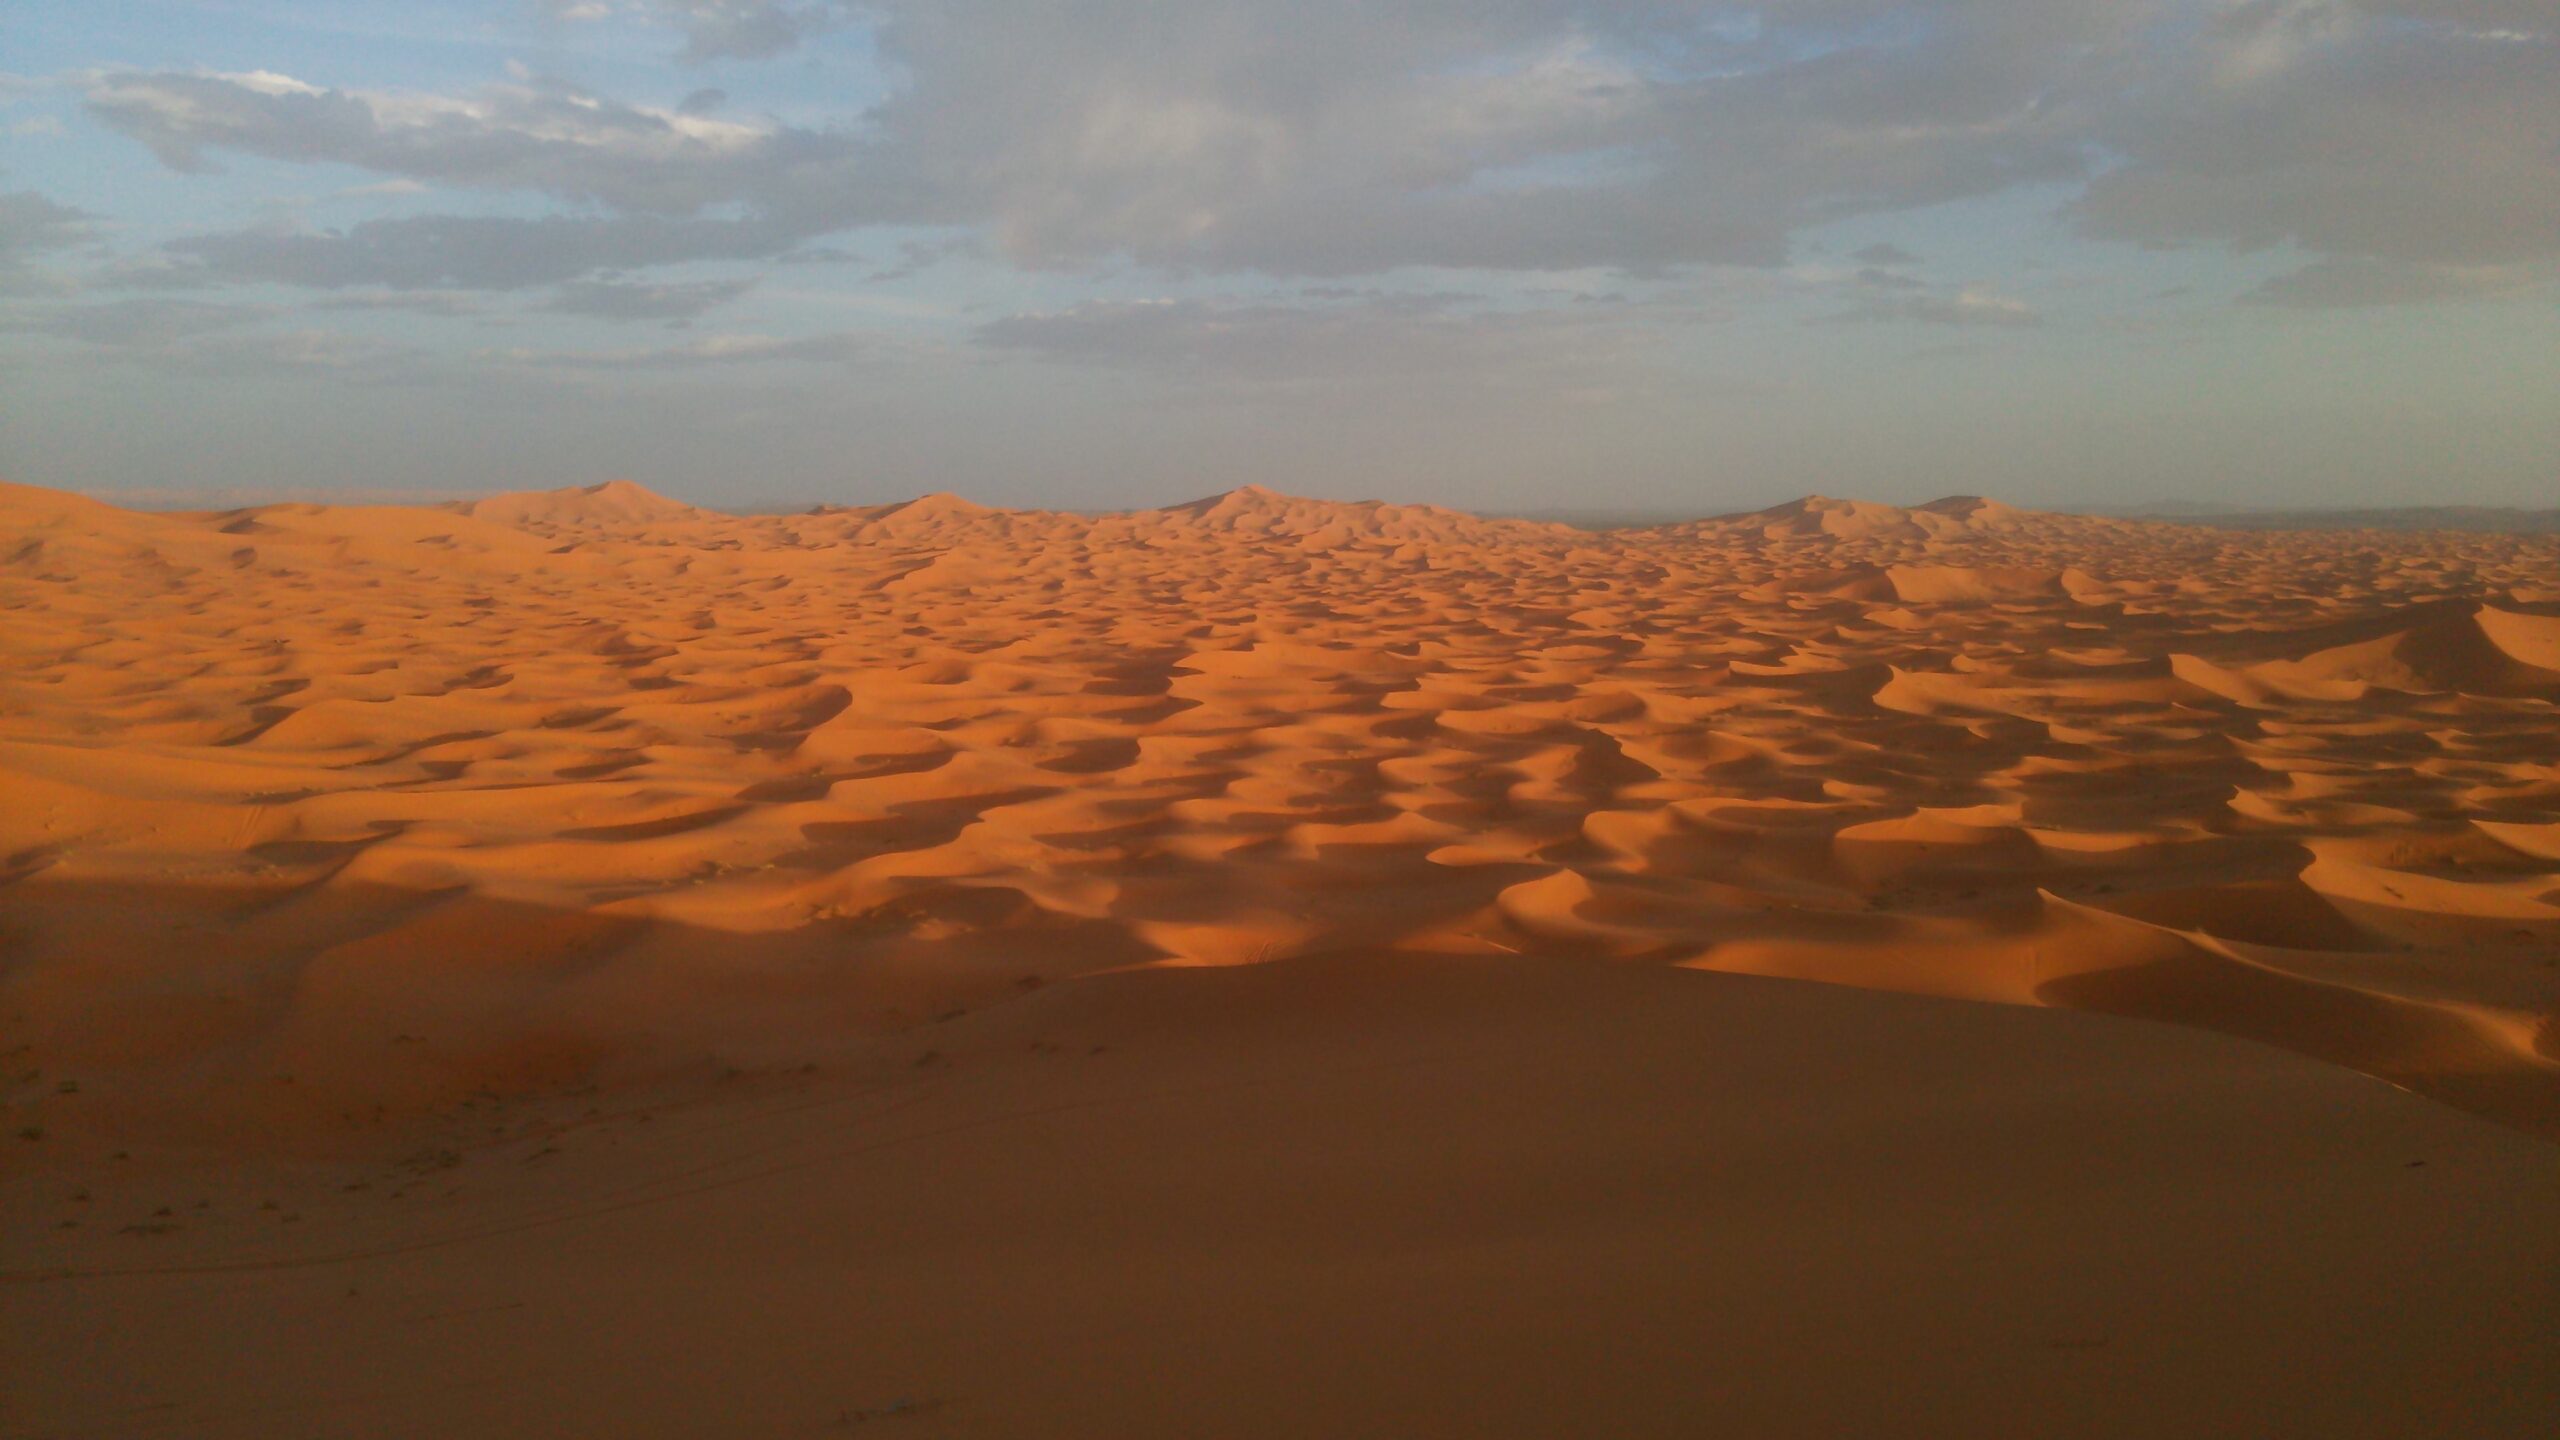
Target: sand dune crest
x=591 y=782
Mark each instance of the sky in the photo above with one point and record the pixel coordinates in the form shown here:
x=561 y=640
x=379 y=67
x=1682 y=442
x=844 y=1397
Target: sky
x=1506 y=254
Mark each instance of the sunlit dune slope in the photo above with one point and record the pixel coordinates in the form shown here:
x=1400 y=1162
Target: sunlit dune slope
x=407 y=805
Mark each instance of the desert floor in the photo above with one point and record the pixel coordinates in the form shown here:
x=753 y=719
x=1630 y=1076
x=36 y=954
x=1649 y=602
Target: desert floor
x=575 y=964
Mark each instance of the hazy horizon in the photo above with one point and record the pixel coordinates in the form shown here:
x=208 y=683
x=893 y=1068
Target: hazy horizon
x=1598 y=517
x=1628 y=257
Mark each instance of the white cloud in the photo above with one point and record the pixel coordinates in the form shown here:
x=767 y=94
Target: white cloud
x=1332 y=138
x=540 y=136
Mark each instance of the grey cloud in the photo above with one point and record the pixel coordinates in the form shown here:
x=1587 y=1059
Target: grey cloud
x=150 y=270
x=200 y=338
x=1326 y=344
x=416 y=302
x=291 y=353
x=1966 y=307
x=1885 y=255
x=640 y=300
x=710 y=351
x=470 y=252
x=721 y=29
x=31 y=224
x=747 y=29
x=1888 y=280
x=1315 y=138
x=1311 y=138
x=2512 y=17
x=546 y=137
x=146 y=324
x=914 y=257
x=219 y=348
x=2346 y=130
x=2355 y=282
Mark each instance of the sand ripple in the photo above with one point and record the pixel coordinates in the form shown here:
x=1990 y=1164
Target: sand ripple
x=388 y=807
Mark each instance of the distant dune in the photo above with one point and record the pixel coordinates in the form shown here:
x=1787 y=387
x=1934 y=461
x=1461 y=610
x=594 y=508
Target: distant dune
x=917 y=925
x=2488 y=519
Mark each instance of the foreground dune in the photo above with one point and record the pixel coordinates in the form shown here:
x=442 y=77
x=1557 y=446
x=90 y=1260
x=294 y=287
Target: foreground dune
x=514 y=891
x=1458 y=1196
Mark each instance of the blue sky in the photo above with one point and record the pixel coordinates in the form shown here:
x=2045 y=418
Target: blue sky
x=1504 y=253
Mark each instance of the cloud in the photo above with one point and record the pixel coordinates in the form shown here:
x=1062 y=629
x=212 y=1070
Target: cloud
x=747 y=29
x=2353 y=283
x=546 y=136
x=299 y=353
x=415 y=302
x=1244 y=134
x=31 y=224
x=1425 y=338
x=2346 y=129
x=719 y=29
x=1965 y=307
x=710 y=351
x=638 y=300
x=1327 y=138
x=1314 y=139
x=195 y=339
x=467 y=251
x=215 y=341
x=146 y=324
x=1885 y=255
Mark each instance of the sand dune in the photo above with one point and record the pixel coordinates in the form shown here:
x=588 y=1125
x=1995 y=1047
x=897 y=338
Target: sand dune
x=335 y=834
x=615 y=504
x=1835 y=740
x=1482 y=1196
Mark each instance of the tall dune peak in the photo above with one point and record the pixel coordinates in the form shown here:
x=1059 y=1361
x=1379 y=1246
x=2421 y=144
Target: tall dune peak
x=1313 y=523
x=1973 y=509
x=1827 y=519
x=35 y=500
x=610 y=502
x=940 y=514
x=938 y=502
x=1242 y=502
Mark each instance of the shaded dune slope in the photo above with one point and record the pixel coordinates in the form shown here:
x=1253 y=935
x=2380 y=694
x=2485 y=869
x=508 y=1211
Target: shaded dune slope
x=327 y=818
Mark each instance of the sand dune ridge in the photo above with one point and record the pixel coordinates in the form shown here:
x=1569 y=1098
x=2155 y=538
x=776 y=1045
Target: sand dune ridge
x=910 y=759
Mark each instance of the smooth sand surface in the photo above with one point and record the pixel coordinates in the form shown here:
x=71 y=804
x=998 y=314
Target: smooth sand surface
x=575 y=963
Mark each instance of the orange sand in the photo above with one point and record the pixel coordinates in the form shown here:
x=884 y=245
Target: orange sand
x=764 y=951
